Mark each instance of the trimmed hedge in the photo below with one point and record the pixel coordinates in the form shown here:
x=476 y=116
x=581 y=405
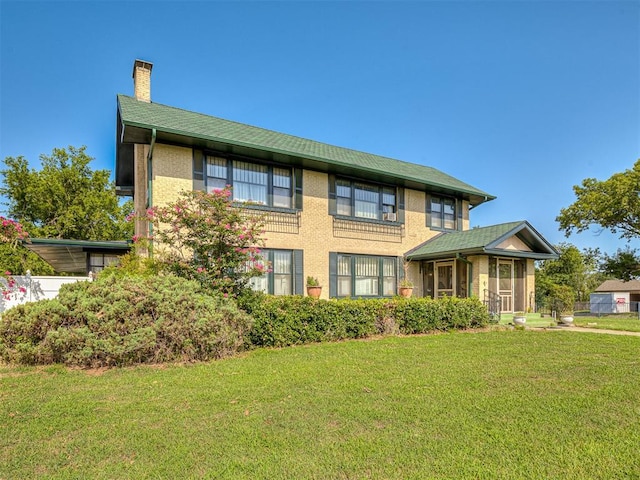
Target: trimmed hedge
x=291 y=320
x=122 y=321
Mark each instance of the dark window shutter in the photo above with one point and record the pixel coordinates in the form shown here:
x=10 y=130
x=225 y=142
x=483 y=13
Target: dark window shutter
x=333 y=274
x=459 y=214
x=429 y=280
x=428 y=210
x=298 y=270
x=198 y=165
x=333 y=208
x=297 y=181
x=400 y=268
x=400 y=194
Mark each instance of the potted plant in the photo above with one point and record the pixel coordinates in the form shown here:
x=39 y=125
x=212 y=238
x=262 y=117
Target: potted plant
x=405 y=289
x=314 y=290
x=561 y=303
x=519 y=318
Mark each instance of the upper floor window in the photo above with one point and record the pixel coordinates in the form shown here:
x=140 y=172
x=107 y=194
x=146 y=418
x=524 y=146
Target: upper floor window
x=364 y=200
x=442 y=212
x=251 y=182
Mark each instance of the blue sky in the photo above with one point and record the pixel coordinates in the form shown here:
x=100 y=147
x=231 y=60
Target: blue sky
x=520 y=99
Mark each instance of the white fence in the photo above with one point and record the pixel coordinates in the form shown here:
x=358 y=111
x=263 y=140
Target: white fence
x=35 y=288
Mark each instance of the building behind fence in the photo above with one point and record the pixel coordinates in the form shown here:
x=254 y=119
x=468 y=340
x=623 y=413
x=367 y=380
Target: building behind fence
x=35 y=288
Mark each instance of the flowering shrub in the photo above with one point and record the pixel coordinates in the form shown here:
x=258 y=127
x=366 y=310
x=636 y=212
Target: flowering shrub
x=124 y=321
x=11 y=233
x=205 y=237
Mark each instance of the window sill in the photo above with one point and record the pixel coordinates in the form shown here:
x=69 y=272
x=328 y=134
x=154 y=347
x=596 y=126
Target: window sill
x=442 y=229
x=265 y=208
x=366 y=220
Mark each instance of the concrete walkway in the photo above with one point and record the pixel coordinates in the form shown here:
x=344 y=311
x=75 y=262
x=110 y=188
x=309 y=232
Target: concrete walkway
x=585 y=329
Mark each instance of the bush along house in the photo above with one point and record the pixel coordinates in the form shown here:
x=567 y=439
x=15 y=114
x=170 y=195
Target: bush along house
x=356 y=222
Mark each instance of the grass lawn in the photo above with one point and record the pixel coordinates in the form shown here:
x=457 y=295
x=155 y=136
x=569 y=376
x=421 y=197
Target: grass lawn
x=501 y=404
x=630 y=322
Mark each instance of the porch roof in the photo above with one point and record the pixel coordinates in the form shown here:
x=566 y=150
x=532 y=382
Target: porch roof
x=485 y=241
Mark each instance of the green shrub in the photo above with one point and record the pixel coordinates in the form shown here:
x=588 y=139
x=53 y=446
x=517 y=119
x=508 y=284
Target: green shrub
x=281 y=321
x=122 y=321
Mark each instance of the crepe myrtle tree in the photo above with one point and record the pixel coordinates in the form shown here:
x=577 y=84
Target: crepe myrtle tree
x=11 y=234
x=209 y=238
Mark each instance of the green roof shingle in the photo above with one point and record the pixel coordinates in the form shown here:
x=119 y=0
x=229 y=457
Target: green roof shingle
x=484 y=240
x=135 y=113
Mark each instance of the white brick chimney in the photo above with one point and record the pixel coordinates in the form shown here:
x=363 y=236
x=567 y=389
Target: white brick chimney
x=142 y=80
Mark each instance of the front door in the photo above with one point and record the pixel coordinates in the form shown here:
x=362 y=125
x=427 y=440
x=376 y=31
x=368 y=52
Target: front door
x=444 y=279
x=505 y=284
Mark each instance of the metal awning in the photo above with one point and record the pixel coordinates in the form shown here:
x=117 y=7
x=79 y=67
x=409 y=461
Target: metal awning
x=71 y=256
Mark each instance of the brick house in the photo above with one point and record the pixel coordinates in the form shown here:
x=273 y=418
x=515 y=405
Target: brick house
x=349 y=218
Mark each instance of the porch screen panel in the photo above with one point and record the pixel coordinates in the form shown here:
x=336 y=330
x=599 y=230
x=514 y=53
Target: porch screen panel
x=462 y=279
x=428 y=280
x=493 y=274
x=519 y=292
x=367 y=275
x=250 y=182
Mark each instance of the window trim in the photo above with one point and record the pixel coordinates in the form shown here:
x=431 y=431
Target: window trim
x=334 y=276
x=398 y=207
x=296 y=273
x=295 y=189
x=457 y=212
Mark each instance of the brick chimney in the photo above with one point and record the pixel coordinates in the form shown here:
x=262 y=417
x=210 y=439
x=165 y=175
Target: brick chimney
x=142 y=80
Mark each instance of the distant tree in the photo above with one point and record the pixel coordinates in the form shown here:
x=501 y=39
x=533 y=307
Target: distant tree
x=574 y=269
x=624 y=265
x=66 y=198
x=613 y=204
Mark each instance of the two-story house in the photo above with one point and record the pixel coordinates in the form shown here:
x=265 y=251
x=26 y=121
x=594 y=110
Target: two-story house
x=349 y=218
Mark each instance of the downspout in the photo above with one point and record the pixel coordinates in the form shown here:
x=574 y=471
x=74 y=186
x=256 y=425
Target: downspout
x=150 y=175
x=470 y=277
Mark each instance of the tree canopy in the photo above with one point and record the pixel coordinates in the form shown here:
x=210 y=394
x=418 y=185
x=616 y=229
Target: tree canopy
x=612 y=204
x=66 y=198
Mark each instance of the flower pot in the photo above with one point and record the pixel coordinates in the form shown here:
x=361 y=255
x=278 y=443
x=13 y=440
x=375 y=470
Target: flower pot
x=566 y=319
x=519 y=320
x=314 y=292
x=405 y=291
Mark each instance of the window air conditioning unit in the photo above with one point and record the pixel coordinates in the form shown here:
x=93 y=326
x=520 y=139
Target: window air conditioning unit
x=389 y=217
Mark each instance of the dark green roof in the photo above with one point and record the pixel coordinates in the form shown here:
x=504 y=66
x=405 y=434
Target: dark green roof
x=70 y=256
x=179 y=126
x=485 y=240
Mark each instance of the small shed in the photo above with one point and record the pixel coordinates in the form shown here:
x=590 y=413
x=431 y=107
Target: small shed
x=616 y=296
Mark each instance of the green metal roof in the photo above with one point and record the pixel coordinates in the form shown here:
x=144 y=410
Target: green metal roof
x=138 y=118
x=485 y=240
x=70 y=256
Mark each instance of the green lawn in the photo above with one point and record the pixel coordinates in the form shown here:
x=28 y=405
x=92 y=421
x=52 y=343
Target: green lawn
x=502 y=404
x=626 y=322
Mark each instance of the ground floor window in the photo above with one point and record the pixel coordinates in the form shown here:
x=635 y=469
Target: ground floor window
x=284 y=275
x=362 y=275
x=99 y=261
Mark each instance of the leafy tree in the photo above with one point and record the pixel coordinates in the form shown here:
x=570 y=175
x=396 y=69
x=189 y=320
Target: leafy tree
x=613 y=204
x=205 y=237
x=624 y=265
x=66 y=198
x=578 y=271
